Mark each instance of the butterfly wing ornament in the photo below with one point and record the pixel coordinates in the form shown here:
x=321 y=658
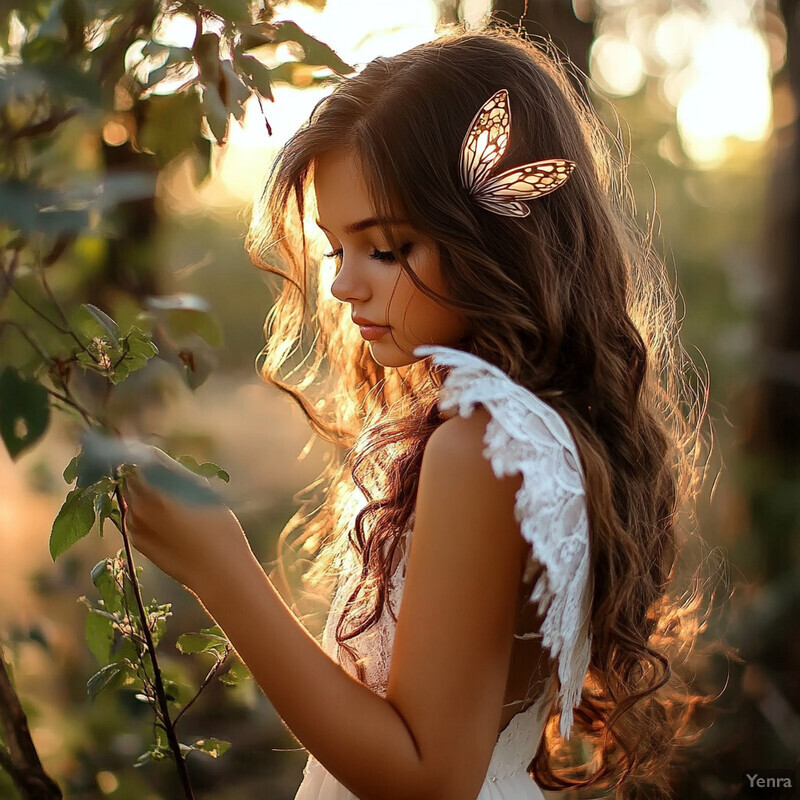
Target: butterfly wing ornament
x=483 y=146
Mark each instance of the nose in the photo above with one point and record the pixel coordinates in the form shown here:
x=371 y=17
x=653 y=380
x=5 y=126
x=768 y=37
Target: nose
x=349 y=285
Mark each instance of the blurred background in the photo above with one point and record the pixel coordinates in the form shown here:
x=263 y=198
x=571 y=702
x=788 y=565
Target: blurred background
x=153 y=189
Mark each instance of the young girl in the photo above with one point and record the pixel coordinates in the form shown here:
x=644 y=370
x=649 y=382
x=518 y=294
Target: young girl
x=505 y=371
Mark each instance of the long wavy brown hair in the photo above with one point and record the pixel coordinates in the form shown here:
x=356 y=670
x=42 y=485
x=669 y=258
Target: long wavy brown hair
x=571 y=302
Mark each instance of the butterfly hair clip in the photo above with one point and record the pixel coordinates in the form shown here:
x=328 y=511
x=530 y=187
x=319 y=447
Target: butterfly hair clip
x=483 y=146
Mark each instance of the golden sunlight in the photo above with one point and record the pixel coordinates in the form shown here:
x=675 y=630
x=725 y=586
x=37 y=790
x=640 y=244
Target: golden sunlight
x=729 y=95
x=358 y=32
x=714 y=67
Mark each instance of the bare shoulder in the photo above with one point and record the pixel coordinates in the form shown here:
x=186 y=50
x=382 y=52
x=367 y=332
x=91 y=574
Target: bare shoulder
x=455 y=452
x=455 y=464
x=462 y=435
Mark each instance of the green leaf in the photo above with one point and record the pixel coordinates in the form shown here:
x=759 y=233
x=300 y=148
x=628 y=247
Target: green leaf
x=316 y=52
x=138 y=349
x=71 y=471
x=255 y=35
x=187 y=314
x=158 y=630
x=111 y=676
x=175 y=55
x=206 y=54
x=24 y=411
x=215 y=112
x=193 y=357
x=94 y=322
x=201 y=643
x=229 y=10
x=73 y=522
x=100 y=636
x=206 y=469
x=232 y=90
x=104 y=509
x=259 y=76
x=131 y=650
x=171 y=124
x=237 y=673
x=100 y=335
x=155 y=754
x=204 y=324
x=212 y=747
x=103 y=579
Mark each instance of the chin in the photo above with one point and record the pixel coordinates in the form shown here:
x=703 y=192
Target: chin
x=389 y=355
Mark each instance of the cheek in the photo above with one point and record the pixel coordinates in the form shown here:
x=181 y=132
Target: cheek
x=413 y=311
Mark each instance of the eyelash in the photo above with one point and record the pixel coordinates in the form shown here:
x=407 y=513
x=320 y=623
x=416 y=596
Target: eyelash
x=384 y=256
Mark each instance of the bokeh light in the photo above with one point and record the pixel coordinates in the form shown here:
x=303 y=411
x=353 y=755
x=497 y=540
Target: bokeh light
x=617 y=65
x=712 y=65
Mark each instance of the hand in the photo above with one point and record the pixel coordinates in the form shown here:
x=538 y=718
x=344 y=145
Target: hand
x=194 y=543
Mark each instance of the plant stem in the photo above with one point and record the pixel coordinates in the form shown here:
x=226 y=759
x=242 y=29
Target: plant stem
x=20 y=759
x=72 y=403
x=172 y=738
x=211 y=673
x=32 y=307
x=27 y=336
x=8 y=277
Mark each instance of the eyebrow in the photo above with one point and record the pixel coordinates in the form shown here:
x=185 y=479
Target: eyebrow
x=362 y=225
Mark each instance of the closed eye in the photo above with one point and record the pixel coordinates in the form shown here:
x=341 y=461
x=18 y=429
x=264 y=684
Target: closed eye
x=388 y=256
x=384 y=256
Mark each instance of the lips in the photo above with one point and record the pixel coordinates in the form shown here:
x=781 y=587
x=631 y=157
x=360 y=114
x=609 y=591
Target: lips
x=371 y=332
x=362 y=321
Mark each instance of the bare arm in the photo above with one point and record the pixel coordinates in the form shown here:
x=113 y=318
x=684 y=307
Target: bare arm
x=453 y=640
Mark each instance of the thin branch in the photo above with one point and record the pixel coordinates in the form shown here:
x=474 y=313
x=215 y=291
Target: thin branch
x=172 y=738
x=211 y=673
x=8 y=278
x=31 y=341
x=33 y=308
x=27 y=772
x=7 y=763
x=43 y=279
x=45 y=126
x=64 y=399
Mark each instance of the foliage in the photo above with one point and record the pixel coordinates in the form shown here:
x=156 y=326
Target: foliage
x=99 y=82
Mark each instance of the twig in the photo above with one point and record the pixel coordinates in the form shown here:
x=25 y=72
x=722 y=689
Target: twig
x=47 y=319
x=33 y=308
x=31 y=341
x=172 y=738
x=87 y=418
x=21 y=760
x=211 y=673
x=8 y=278
x=7 y=763
x=43 y=279
x=45 y=126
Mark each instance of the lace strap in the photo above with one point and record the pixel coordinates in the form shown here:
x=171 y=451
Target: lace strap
x=527 y=436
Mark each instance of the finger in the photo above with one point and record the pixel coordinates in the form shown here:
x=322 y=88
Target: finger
x=131 y=485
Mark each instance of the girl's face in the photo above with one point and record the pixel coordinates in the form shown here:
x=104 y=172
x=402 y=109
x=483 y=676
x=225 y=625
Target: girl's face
x=370 y=278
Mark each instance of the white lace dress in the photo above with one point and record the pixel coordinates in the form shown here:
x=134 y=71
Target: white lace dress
x=524 y=436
